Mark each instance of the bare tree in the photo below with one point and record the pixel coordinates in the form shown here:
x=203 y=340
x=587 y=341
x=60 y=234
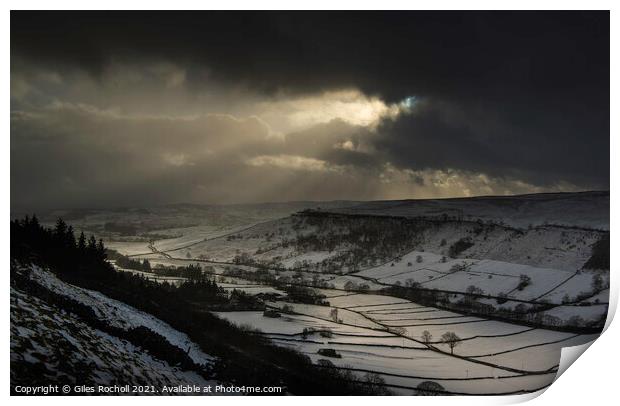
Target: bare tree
x=429 y=388
x=474 y=290
x=350 y=285
x=451 y=339
x=524 y=281
x=376 y=383
x=427 y=337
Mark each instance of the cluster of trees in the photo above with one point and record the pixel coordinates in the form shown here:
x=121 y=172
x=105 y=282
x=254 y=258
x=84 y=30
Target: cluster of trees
x=600 y=254
x=369 y=239
x=328 y=352
x=370 y=382
x=272 y=277
x=123 y=261
x=57 y=246
x=298 y=289
x=462 y=267
x=460 y=246
x=192 y=272
x=356 y=287
x=429 y=388
x=449 y=338
x=524 y=281
x=272 y=313
x=325 y=333
x=409 y=283
x=203 y=290
x=243 y=259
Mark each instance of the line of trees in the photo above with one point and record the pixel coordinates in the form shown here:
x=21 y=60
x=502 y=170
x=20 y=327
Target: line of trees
x=57 y=247
x=123 y=261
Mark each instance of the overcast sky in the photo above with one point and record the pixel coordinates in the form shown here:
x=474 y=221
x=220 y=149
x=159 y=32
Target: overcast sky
x=138 y=109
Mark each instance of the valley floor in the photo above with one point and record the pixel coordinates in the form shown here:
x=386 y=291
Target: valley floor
x=383 y=334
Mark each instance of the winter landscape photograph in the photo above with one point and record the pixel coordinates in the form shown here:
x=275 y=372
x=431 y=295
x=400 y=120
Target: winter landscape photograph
x=306 y=203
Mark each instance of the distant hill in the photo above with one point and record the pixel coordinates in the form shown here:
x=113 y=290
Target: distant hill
x=580 y=209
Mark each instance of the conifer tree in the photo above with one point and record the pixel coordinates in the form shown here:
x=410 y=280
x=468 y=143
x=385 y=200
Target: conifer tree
x=101 y=250
x=146 y=265
x=70 y=238
x=92 y=244
x=61 y=228
x=82 y=242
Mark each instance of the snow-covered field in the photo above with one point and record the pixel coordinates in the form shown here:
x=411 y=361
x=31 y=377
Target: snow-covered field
x=492 y=356
x=493 y=277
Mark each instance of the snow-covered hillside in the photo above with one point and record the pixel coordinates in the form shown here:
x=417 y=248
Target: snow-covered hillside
x=541 y=263
x=142 y=224
x=68 y=349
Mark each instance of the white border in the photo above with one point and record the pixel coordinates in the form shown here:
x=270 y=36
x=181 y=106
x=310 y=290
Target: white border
x=315 y=5
x=592 y=380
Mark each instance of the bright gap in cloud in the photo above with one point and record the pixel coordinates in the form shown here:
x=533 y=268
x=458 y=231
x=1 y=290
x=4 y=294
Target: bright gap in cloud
x=350 y=106
x=294 y=162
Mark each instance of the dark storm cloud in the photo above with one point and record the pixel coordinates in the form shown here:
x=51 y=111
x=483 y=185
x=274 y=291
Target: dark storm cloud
x=520 y=97
x=476 y=55
x=535 y=143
